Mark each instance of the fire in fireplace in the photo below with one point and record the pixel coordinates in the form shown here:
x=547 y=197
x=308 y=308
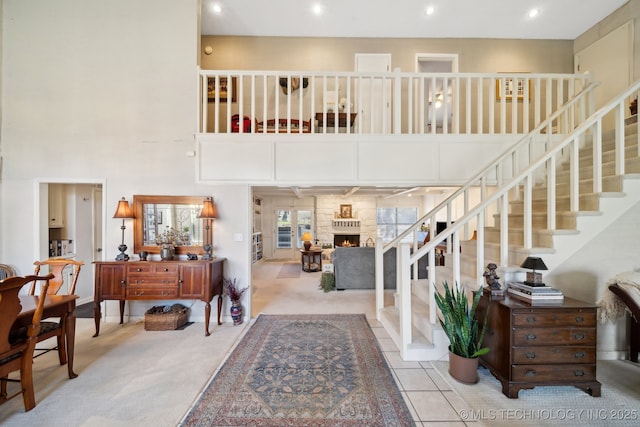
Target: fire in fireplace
x=346 y=240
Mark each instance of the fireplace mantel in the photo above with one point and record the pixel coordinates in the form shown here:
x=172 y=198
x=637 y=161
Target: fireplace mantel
x=346 y=223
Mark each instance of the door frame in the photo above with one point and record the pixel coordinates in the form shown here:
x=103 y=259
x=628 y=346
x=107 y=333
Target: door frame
x=293 y=252
x=41 y=247
x=438 y=59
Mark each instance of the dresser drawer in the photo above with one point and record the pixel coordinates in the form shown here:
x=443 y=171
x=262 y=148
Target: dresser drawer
x=152 y=292
x=579 y=318
x=559 y=354
x=553 y=336
x=553 y=373
x=153 y=279
x=153 y=267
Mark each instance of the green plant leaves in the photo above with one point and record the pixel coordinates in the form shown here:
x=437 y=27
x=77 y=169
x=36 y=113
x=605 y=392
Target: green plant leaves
x=459 y=322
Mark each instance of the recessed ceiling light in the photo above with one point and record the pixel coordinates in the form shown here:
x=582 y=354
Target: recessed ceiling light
x=430 y=10
x=533 y=13
x=317 y=9
x=216 y=8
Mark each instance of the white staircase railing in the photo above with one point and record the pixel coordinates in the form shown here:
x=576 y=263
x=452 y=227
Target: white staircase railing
x=513 y=175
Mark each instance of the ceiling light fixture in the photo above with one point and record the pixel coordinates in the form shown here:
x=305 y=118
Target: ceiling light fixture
x=430 y=10
x=216 y=8
x=317 y=9
x=534 y=12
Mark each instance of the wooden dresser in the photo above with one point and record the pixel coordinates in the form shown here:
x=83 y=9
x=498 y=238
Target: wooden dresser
x=158 y=280
x=542 y=344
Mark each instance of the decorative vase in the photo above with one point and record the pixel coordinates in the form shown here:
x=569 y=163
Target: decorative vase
x=463 y=369
x=236 y=312
x=167 y=252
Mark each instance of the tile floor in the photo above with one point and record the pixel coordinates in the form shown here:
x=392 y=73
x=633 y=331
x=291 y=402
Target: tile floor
x=428 y=395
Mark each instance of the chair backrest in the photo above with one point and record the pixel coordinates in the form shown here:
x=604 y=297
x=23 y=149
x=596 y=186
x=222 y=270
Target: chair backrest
x=630 y=296
x=57 y=267
x=6 y=271
x=10 y=309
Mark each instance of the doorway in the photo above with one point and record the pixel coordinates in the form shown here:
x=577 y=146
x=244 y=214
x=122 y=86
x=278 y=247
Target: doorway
x=289 y=226
x=77 y=230
x=438 y=94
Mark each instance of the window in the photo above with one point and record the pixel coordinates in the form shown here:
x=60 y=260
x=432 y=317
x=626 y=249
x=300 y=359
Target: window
x=393 y=221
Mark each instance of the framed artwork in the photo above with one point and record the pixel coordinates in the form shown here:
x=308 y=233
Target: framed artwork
x=224 y=89
x=345 y=211
x=512 y=86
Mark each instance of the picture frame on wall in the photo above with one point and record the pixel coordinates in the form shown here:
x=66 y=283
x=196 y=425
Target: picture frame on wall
x=345 y=211
x=224 y=89
x=513 y=86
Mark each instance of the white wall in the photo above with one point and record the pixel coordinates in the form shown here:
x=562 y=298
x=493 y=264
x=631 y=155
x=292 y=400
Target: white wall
x=585 y=274
x=104 y=91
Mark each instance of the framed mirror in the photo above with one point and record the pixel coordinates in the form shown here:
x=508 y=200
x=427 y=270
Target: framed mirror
x=172 y=219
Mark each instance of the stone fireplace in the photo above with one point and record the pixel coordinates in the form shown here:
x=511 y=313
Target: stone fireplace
x=346 y=240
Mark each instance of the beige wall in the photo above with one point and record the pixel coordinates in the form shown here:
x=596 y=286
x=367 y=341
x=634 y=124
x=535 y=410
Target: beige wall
x=629 y=11
x=337 y=54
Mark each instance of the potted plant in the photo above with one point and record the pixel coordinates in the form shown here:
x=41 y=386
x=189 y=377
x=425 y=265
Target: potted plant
x=235 y=294
x=463 y=330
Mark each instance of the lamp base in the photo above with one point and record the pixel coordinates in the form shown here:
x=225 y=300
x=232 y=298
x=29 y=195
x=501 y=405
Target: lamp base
x=307 y=245
x=207 y=252
x=122 y=256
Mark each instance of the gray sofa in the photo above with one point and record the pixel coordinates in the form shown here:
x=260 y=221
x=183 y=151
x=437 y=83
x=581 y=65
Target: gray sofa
x=354 y=268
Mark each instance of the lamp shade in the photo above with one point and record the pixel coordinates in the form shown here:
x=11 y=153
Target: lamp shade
x=306 y=236
x=534 y=263
x=209 y=209
x=123 y=210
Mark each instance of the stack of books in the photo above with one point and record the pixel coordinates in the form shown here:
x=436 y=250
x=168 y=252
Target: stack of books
x=533 y=294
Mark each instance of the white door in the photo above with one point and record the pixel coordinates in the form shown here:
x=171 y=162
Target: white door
x=609 y=62
x=373 y=96
x=288 y=228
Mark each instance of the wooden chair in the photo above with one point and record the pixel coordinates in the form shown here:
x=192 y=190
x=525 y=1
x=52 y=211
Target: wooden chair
x=48 y=329
x=634 y=309
x=6 y=271
x=17 y=347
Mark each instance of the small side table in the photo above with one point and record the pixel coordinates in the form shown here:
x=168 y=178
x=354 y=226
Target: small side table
x=311 y=260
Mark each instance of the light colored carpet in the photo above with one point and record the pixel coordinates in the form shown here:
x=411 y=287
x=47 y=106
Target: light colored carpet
x=619 y=404
x=289 y=271
x=126 y=377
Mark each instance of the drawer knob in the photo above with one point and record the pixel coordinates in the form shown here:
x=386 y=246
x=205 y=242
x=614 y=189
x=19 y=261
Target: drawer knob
x=122 y=282
x=579 y=319
x=139 y=269
x=530 y=337
x=531 y=319
x=166 y=269
x=530 y=373
x=530 y=355
x=578 y=373
x=579 y=336
x=579 y=354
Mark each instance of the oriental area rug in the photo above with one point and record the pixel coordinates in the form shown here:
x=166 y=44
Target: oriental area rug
x=303 y=370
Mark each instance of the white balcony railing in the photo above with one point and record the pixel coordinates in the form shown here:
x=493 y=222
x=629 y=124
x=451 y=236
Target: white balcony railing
x=294 y=102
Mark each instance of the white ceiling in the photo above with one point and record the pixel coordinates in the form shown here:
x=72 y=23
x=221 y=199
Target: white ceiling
x=558 y=19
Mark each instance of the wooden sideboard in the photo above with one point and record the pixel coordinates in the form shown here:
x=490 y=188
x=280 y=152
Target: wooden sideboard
x=542 y=344
x=158 y=280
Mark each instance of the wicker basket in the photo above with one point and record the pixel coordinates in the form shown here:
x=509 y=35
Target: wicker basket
x=165 y=318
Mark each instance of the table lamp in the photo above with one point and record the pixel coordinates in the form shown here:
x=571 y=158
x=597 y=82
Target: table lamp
x=306 y=238
x=209 y=212
x=534 y=263
x=123 y=211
